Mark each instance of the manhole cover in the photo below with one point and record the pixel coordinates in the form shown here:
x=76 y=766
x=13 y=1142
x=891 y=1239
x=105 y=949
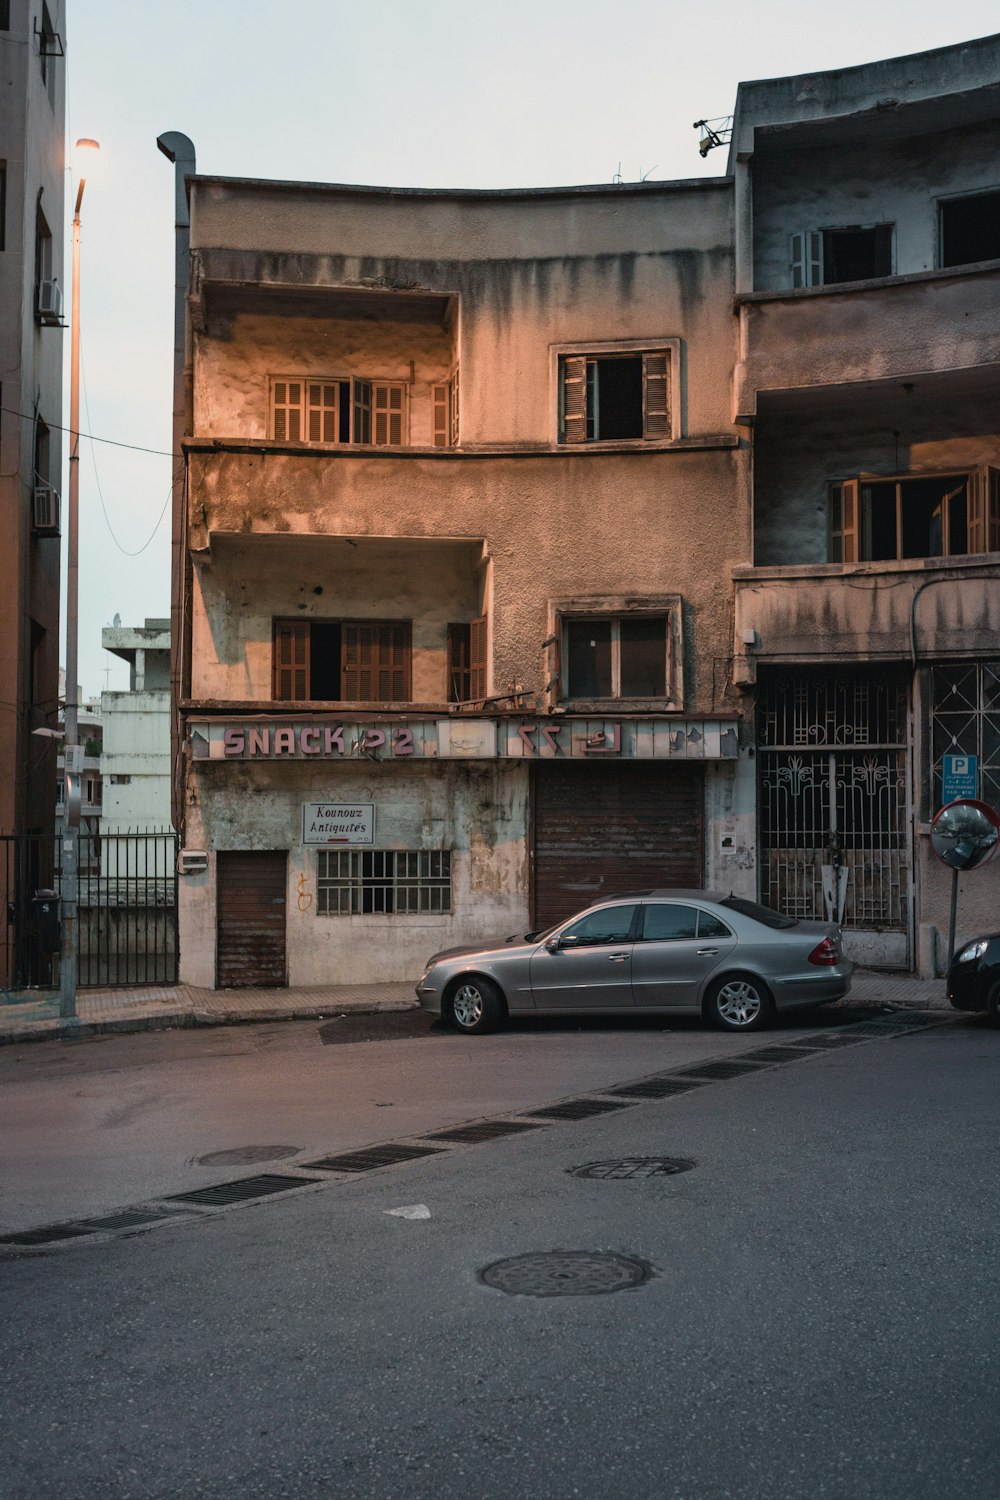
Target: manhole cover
x=245 y=1156
x=635 y=1166
x=566 y=1273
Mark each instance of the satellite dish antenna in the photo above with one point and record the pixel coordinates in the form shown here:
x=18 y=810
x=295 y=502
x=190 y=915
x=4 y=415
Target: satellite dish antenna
x=116 y=621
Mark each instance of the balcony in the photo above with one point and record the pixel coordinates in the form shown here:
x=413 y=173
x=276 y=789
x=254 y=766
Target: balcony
x=896 y=611
x=932 y=321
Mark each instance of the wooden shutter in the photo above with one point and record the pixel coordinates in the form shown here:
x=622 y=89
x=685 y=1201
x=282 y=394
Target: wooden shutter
x=376 y=661
x=453 y=409
x=656 y=396
x=439 y=398
x=984 y=511
x=843 y=518
x=290 y=660
x=387 y=415
x=805 y=255
x=477 y=658
x=573 y=399
x=459 y=686
x=361 y=416
x=286 y=411
x=321 y=411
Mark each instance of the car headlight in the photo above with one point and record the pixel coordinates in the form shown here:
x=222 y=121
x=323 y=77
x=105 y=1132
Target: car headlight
x=972 y=951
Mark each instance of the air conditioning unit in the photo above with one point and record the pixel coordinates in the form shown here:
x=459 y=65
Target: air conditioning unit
x=50 y=303
x=45 y=514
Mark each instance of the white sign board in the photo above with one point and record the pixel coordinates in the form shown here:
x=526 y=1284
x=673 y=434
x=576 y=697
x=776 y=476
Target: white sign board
x=351 y=824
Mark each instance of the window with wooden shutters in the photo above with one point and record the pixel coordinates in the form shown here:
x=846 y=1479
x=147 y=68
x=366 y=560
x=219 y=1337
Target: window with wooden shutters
x=914 y=516
x=375 y=665
x=333 y=661
x=351 y=410
x=615 y=397
x=291 y=660
x=467 y=661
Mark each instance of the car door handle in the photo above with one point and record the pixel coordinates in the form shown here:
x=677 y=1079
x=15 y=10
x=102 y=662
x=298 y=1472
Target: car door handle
x=704 y=952
x=617 y=958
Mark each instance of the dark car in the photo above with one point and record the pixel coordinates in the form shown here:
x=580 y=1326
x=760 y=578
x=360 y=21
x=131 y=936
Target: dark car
x=974 y=977
x=731 y=960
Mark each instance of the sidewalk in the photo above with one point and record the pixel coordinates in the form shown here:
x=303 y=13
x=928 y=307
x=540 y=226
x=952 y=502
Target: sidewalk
x=34 y=1015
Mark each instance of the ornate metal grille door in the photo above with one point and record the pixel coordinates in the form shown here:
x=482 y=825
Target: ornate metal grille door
x=834 y=791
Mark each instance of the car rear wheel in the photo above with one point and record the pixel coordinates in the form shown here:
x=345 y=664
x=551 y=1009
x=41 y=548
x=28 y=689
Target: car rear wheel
x=739 y=1003
x=993 y=1005
x=475 y=1005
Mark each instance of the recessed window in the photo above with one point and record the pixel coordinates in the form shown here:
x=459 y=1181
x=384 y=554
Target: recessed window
x=826 y=257
x=627 y=656
x=355 y=882
x=341 y=661
x=615 y=397
x=339 y=411
x=970 y=229
x=881 y=520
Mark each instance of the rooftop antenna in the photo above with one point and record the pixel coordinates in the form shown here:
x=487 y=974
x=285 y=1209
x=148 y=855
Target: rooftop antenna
x=717 y=132
x=618 y=179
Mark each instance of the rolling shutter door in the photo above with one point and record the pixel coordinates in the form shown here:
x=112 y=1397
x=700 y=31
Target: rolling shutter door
x=600 y=830
x=250 y=914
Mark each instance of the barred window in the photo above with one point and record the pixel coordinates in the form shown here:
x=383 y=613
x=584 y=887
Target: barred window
x=965 y=720
x=358 y=881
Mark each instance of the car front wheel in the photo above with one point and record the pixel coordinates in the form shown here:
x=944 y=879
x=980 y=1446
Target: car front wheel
x=993 y=1005
x=475 y=1005
x=739 y=1003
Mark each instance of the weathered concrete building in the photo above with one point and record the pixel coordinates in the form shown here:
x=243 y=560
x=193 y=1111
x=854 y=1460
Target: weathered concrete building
x=867 y=207
x=32 y=113
x=454 y=566
x=135 y=758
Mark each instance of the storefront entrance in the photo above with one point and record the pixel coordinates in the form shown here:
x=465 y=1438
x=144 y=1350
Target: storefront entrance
x=251 y=896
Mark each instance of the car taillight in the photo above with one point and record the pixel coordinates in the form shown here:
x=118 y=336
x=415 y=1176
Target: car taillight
x=827 y=952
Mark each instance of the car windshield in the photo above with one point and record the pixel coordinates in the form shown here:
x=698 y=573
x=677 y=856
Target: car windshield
x=759 y=913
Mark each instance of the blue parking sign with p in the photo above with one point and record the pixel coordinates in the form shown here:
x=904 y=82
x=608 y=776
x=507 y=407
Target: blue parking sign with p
x=959 y=777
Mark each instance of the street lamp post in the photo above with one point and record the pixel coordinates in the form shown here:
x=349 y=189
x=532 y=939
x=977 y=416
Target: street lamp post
x=72 y=750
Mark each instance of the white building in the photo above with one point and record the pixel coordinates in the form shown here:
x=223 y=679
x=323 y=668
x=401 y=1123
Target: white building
x=136 y=757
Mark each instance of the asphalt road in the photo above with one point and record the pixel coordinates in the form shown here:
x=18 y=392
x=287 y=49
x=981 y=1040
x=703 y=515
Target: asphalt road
x=820 y=1318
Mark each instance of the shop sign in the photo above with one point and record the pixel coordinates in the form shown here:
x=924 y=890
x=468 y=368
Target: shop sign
x=351 y=824
x=549 y=737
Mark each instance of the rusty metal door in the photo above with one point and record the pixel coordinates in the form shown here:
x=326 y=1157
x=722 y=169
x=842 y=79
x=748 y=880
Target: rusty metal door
x=250 y=914
x=604 y=830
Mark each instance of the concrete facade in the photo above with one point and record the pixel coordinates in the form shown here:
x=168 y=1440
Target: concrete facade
x=32 y=111
x=501 y=520
x=877 y=393
x=136 y=755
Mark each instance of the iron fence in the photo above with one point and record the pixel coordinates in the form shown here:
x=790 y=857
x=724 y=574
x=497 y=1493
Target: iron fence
x=126 y=910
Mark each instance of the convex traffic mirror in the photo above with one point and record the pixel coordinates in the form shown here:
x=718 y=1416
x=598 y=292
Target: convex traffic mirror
x=964 y=834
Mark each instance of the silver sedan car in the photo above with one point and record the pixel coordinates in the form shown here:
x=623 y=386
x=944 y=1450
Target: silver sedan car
x=731 y=960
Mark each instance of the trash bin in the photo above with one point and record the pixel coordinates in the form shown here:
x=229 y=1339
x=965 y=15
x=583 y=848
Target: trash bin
x=45 y=906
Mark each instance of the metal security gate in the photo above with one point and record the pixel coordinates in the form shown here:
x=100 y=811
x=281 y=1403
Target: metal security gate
x=127 y=909
x=250 y=912
x=603 y=829
x=833 y=790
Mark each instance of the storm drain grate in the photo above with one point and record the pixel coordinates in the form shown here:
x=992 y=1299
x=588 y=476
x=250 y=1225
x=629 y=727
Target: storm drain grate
x=131 y=1218
x=655 y=1088
x=45 y=1236
x=718 y=1070
x=566 y=1273
x=634 y=1166
x=830 y=1040
x=373 y=1156
x=488 y=1130
x=775 y=1054
x=578 y=1109
x=240 y=1192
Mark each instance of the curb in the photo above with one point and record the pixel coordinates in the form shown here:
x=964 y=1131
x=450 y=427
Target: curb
x=77 y=1028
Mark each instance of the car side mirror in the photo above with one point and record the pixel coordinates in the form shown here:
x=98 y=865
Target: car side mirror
x=552 y=945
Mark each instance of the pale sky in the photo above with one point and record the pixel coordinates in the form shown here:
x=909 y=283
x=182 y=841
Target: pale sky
x=431 y=93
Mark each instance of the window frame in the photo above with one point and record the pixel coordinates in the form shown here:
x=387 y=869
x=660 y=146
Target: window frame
x=846 y=522
x=363 y=405
x=595 y=350
x=350 y=883
x=467 y=660
x=445 y=408
x=600 y=608
x=807 y=268
x=299 y=661
x=941 y=202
